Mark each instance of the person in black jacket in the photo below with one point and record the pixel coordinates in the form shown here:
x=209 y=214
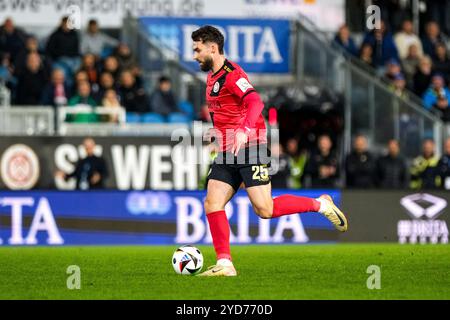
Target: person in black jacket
x=443 y=167
x=360 y=165
x=31 y=81
x=89 y=172
x=322 y=166
x=63 y=47
x=132 y=97
x=392 y=172
x=163 y=100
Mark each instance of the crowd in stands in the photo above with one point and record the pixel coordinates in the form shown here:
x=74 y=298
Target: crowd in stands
x=73 y=68
x=362 y=169
x=409 y=62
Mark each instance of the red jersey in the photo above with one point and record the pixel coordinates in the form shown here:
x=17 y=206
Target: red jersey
x=225 y=91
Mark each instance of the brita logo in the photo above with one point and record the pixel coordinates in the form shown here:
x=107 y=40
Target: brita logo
x=424 y=209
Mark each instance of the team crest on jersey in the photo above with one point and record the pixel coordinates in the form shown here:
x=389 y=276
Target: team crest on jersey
x=216 y=87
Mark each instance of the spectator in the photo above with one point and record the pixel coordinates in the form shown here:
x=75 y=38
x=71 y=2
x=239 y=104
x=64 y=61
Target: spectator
x=443 y=167
x=31 y=46
x=423 y=169
x=12 y=39
x=297 y=161
x=123 y=55
x=83 y=95
x=383 y=46
x=57 y=92
x=391 y=168
x=393 y=69
x=422 y=77
x=405 y=38
x=95 y=42
x=31 y=81
x=322 y=166
x=132 y=97
x=83 y=98
x=90 y=172
x=431 y=39
x=437 y=97
x=411 y=64
x=398 y=86
x=366 y=54
x=110 y=100
x=360 y=165
x=88 y=65
x=111 y=65
x=442 y=62
x=344 y=40
x=280 y=170
x=80 y=76
x=163 y=100
x=63 y=48
x=106 y=83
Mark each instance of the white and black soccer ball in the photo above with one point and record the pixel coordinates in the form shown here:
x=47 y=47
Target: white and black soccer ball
x=187 y=260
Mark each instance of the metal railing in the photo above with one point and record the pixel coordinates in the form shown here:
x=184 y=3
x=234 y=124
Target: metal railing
x=32 y=120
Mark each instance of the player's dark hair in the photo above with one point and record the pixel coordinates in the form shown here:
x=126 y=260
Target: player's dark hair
x=209 y=34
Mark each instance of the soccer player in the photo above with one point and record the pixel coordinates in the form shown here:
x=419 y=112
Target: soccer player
x=235 y=109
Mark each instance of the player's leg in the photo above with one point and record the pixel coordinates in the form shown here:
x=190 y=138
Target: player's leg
x=222 y=184
x=260 y=194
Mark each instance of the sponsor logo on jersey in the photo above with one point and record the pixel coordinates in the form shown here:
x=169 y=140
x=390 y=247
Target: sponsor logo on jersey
x=243 y=84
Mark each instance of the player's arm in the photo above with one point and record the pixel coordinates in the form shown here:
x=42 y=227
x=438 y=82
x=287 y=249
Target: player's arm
x=254 y=106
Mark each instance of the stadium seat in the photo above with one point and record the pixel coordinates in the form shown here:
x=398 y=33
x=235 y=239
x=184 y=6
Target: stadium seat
x=133 y=117
x=152 y=117
x=178 y=118
x=187 y=108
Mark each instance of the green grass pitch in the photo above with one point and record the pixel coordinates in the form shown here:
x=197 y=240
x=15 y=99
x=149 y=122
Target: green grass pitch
x=264 y=272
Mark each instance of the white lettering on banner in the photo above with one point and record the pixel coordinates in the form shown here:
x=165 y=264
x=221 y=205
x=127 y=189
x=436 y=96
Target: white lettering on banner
x=158 y=167
x=16 y=216
x=253 y=52
x=290 y=222
x=43 y=220
x=130 y=167
x=190 y=213
x=185 y=176
x=243 y=205
x=422 y=231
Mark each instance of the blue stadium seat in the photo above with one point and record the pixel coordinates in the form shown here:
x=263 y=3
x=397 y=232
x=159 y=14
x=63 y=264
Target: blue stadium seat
x=178 y=118
x=133 y=117
x=187 y=108
x=152 y=117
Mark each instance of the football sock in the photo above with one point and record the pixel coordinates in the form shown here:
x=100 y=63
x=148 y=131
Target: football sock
x=220 y=232
x=288 y=204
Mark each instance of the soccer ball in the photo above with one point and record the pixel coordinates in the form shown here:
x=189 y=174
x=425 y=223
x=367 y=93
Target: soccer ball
x=187 y=260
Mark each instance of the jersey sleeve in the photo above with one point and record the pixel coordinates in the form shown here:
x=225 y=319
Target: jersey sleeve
x=238 y=84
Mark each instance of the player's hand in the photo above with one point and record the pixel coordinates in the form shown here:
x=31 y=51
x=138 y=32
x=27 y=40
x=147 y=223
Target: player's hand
x=240 y=139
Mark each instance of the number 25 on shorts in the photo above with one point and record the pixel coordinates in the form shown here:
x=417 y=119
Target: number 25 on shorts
x=260 y=173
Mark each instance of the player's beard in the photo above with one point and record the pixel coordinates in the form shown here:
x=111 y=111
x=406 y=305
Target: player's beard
x=207 y=64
